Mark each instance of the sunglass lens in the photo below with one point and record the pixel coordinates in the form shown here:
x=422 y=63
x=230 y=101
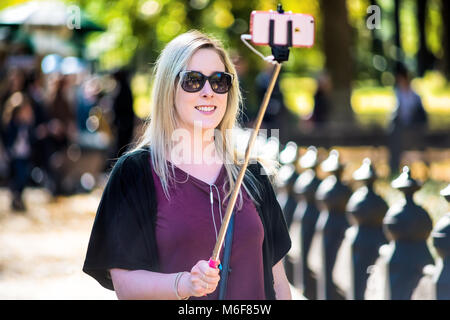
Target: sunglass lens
x=192 y=81
x=220 y=82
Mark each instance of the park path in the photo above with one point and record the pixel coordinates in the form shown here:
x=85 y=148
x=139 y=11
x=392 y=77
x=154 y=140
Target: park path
x=42 y=251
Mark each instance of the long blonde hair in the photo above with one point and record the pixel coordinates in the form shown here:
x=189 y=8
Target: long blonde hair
x=162 y=120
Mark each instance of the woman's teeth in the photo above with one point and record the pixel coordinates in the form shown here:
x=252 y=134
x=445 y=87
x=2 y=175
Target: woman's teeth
x=205 y=109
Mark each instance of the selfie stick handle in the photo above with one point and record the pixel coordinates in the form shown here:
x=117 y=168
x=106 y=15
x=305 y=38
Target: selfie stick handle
x=213 y=262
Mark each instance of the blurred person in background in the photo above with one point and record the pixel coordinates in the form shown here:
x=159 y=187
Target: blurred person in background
x=41 y=149
x=18 y=119
x=4 y=170
x=61 y=129
x=321 y=107
x=87 y=96
x=15 y=82
x=277 y=115
x=408 y=121
x=249 y=111
x=124 y=116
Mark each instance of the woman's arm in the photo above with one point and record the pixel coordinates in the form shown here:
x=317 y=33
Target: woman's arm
x=143 y=284
x=281 y=284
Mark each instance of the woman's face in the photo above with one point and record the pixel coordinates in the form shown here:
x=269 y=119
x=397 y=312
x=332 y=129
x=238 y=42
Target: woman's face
x=189 y=105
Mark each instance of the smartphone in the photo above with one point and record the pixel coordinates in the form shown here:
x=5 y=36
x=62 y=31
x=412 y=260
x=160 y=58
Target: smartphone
x=302 y=28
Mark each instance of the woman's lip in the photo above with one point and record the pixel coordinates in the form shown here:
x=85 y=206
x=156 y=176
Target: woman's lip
x=206 y=105
x=207 y=112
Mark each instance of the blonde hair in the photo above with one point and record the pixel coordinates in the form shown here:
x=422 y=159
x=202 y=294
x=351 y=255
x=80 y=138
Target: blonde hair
x=162 y=121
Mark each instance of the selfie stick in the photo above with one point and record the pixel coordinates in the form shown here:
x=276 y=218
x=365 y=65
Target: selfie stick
x=280 y=54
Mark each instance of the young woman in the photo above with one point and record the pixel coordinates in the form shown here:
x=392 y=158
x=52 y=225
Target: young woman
x=161 y=211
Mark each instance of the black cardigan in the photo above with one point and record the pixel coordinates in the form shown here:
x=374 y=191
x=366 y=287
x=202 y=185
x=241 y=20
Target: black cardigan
x=123 y=234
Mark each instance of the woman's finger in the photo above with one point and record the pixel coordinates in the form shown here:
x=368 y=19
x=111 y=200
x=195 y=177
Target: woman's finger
x=206 y=269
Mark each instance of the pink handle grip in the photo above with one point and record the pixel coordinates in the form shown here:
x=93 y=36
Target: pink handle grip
x=213 y=264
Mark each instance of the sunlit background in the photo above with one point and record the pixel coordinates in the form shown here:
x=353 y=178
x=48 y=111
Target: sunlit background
x=85 y=41
x=135 y=32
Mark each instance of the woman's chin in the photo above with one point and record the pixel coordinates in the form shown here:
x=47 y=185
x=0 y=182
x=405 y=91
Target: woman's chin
x=205 y=124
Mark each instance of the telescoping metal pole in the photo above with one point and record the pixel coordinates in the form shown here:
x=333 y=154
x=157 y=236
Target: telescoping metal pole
x=214 y=261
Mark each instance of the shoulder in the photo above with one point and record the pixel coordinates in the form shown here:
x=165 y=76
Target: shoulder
x=130 y=179
x=133 y=158
x=257 y=170
x=131 y=165
x=264 y=169
x=262 y=175
x=254 y=166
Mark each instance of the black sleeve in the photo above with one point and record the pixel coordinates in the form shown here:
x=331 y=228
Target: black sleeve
x=281 y=240
x=278 y=237
x=118 y=238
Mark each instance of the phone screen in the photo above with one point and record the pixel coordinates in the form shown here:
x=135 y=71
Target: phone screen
x=302 y=28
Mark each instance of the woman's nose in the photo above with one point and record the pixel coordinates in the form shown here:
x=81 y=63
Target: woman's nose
x=207 y=90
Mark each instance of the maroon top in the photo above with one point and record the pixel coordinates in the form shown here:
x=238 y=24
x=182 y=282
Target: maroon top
x=185 y=233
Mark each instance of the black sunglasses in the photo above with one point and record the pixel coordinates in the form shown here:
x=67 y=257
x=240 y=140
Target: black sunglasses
x=193 y=81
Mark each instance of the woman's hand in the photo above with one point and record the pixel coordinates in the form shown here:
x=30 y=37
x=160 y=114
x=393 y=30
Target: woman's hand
x=280 y=282
x=202 y=280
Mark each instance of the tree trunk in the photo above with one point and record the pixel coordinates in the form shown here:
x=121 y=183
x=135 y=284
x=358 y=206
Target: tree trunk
x=397 y=42
x=425 y=58
x=446 y=36
x=337 y=49
x=377 y=45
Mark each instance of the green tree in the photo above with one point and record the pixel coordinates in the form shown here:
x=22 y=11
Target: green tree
x=446 y=34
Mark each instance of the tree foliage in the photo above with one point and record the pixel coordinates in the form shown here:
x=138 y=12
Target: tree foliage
x=137 y=30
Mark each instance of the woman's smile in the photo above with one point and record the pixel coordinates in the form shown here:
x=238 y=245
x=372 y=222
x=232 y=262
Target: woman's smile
x=206 y=109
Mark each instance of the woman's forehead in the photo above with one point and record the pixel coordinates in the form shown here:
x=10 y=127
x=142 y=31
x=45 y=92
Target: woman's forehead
x=206 y=61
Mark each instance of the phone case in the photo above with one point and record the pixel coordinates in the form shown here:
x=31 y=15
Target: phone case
x=302 y=28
